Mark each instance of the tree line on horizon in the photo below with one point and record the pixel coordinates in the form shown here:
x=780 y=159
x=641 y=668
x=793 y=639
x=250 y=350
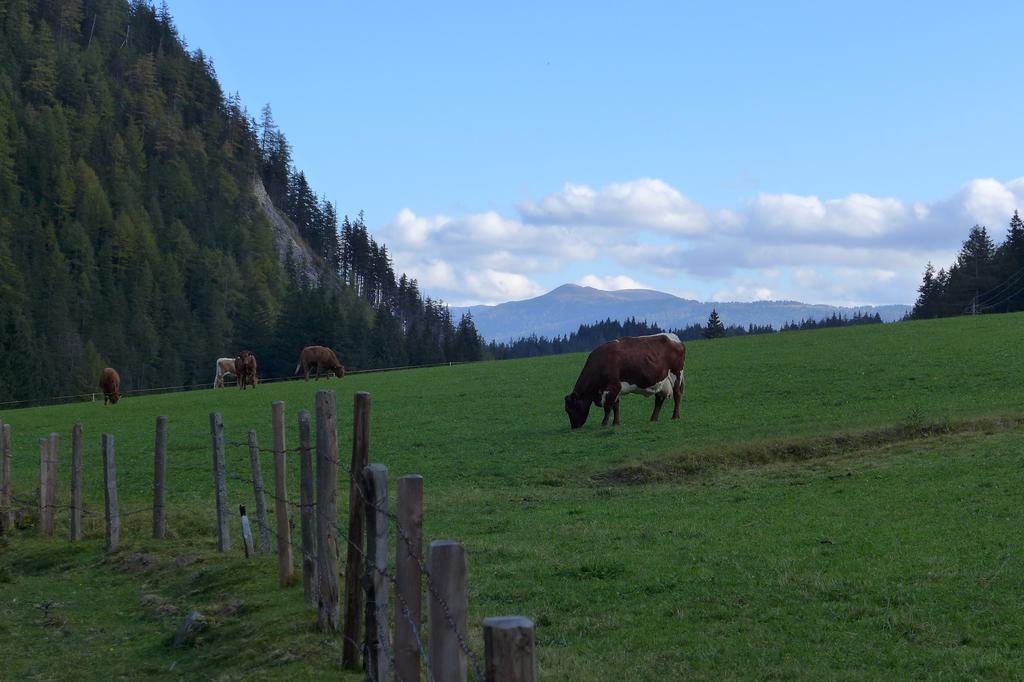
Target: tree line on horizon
x=984 y=278
x=589 y=336
x=129 y=232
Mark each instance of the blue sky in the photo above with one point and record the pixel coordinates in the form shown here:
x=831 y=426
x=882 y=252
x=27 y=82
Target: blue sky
x=816 y=151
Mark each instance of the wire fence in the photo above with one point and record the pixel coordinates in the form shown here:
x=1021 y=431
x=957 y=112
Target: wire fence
x=403 y=538
x=94 y=395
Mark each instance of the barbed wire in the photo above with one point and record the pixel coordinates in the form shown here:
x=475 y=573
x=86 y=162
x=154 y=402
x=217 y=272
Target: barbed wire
x=402 y=533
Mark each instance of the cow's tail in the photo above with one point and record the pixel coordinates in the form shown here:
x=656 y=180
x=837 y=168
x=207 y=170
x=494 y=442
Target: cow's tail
x=297 y=368
x=682 y=383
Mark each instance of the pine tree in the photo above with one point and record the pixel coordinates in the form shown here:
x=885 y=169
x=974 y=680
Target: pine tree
x=715 y=329
x=1009 y=263
x=928 y=293
x=973 y=273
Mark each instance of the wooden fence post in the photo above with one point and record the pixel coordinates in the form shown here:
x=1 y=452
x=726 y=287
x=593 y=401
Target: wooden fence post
x=110 y=493
x=6 y=511
x=285 y=570
x=448 y=569
x=375 y=494
x=307 y=493
x=220 y=481
x=246 y=532
x=76 y=483
x=408 y=555
x=45 y=506
x=4 y=477
x=354 y=558
x=327 y=595
x=51 y=479
x=508 y=649
x=160 y=479
x=257 y=490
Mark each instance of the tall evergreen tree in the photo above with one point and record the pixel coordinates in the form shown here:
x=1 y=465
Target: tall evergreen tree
x=715 y=329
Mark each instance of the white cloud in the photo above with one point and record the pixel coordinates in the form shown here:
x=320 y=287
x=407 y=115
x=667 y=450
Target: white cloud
x=492 y=285
x=646 y=203
x=434 y=274
x=610 y=282
x=852 y=249
x=742 y=292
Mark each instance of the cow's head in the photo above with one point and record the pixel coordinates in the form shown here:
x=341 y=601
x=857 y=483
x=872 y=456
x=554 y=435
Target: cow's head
x=339 y=371
x=115 y=397
x=578 y=409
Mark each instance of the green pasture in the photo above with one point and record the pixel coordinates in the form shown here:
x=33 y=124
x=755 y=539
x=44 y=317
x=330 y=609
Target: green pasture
x=833 y=504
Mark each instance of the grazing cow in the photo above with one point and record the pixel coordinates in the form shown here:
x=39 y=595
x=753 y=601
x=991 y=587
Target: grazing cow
x=245 y=369
x=317 y=358
x=225 y=366
x=110 y=384
x=651 y=365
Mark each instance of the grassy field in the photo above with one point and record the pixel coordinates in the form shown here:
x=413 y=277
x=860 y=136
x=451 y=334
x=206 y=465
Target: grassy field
x=833 y=504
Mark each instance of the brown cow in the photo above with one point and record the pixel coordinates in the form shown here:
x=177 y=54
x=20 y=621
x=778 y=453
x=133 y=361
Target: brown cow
x=110 y=384
x=245 y=369
x=651 y=365
x=317 y=358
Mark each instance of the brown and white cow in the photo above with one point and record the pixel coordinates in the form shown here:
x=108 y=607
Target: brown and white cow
x=317 y=358
x=245 y=369
x=225 y=366
x=110 y=384
x=649 y=365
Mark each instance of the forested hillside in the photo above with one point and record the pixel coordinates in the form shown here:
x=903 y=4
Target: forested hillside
x=985 y=278
x=129 y=232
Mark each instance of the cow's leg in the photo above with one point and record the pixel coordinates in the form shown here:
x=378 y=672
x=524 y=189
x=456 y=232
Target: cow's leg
x=610 y=402
x=677 y=394
x=659 y=398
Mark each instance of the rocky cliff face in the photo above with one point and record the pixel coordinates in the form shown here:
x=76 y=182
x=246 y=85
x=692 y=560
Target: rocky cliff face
x=287 y=240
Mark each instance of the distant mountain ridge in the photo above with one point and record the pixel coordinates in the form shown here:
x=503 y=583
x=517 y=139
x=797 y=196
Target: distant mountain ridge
x=564 y=309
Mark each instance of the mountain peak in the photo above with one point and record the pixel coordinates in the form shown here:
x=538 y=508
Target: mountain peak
x=566 y=307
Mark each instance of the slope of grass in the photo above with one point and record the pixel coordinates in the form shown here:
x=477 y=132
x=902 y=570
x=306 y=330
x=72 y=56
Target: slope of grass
x=866 y=555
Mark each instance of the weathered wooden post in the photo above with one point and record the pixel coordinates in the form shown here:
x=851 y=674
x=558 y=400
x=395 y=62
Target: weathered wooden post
x=246 y=532
x=257 y=490
x=110 y=493
x=508 y=649
x=327 y=595
x=408 y=591
x=51 y=478
x=448 y=570
x=307 y=493
x=354 y=559
x=285 y=571
x=375 y=494
x=45 y=507
x=160 y=479
x=220 y=481
x=6 y=511
x=76 y=483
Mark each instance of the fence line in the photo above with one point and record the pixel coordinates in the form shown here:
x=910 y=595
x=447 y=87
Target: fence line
x=369 y=494
x=92 y=396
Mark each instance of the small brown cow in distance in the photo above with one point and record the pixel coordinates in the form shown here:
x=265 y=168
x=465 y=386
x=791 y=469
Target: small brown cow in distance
x=317 y=358
x=110 y=384
x=649 y=365
x=245 y=369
